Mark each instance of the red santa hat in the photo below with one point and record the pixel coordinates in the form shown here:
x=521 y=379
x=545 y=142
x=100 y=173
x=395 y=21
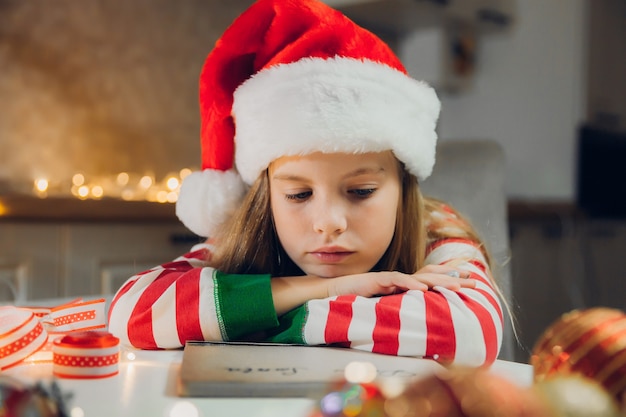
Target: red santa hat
x=292 y=77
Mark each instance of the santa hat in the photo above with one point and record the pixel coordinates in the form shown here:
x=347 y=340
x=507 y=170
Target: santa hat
x=292 y=77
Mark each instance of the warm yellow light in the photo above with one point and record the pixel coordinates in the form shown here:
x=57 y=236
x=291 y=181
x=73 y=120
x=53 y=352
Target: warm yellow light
x=184 y=173
x=3 y=209
x=97 y=191
x=145 y=181
x=78 y=179
x=392 y=387
x=172 y=183
x=360 y=372
x=122 y=178
x=127 y=195
x=162 y=196
x=41 y=185
x=83 y=191
x=172 y=197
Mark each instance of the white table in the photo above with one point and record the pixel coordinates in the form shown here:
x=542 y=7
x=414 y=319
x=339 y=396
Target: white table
x=146 y=386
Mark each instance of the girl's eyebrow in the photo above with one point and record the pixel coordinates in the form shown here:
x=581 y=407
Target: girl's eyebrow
x=355 y=173
x=289 y=177
x=365 y=171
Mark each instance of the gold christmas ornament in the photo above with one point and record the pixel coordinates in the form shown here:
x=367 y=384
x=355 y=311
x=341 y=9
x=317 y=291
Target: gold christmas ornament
x=589 y=342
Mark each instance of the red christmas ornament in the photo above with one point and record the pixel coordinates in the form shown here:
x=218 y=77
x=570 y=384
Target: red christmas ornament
x=589 y=342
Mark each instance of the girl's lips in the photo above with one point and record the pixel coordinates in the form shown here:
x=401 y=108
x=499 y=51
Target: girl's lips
x=331 y=257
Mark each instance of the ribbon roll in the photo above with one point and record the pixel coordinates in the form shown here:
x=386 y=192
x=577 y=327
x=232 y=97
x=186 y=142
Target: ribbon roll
x=21 y=335
x=27 y=333
x=90 y=354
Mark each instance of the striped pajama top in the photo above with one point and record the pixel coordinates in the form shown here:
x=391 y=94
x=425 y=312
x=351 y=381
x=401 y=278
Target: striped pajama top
x=188 y=300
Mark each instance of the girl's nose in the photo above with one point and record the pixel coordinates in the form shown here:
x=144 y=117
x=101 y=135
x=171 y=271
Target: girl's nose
x=330 y=219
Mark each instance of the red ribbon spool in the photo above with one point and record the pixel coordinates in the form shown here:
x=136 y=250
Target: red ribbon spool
x=86 y=355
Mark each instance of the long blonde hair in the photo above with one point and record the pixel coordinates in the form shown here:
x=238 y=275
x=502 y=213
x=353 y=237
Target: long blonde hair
x=248 y=243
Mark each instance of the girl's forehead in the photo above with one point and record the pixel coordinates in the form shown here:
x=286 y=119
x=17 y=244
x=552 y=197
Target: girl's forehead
x=336 y=160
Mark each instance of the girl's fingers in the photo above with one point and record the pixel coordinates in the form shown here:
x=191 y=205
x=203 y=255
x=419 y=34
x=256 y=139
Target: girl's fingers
x=446 y=270
x=390 y=282
x=419 y=286
x=463 y=283
x=444 y=280
x=407 y=282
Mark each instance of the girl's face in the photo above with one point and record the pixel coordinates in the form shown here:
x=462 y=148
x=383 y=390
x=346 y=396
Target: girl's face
x=335 y=214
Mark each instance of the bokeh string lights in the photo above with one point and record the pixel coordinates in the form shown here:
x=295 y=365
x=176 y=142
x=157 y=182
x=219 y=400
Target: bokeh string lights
x=126 y=186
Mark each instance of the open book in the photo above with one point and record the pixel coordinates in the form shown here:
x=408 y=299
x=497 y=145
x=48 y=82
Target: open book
x=274 y=370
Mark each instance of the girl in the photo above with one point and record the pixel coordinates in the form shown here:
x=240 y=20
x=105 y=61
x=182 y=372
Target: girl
x=313 y=141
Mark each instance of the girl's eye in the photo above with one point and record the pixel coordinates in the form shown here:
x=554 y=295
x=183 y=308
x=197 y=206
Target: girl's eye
x=299 y=196
x=362 y=192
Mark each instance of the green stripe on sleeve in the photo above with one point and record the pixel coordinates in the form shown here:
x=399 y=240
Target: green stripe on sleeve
x=244 y=304
x=291 y=327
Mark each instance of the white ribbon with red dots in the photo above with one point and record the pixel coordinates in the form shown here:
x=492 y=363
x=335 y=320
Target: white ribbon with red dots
x=90 y=354
x=27 y=333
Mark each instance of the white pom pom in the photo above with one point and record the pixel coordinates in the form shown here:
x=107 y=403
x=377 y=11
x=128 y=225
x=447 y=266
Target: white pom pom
x=208 y=198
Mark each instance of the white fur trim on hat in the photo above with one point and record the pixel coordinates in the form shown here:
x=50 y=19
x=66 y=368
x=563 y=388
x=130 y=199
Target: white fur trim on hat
x=208 y=198
x=334 y=105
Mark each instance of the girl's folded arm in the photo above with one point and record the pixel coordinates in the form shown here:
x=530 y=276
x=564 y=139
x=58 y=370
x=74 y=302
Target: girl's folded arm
x=463 y=326
x=188 y=300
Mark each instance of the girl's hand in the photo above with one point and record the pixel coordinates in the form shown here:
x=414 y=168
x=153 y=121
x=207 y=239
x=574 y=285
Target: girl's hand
x=290 y=292
x=444 y=276
x=370 y=284
x=389 y=282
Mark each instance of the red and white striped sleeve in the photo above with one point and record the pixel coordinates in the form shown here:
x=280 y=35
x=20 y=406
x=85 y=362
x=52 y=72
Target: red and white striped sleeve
x=162 y=307
x=463 y=327
x=188 y=300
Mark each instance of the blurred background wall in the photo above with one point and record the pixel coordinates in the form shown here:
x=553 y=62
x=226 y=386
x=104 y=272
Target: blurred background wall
x=109 y=86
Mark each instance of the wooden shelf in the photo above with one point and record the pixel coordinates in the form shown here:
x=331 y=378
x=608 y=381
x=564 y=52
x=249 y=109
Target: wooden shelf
x=68 y=209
